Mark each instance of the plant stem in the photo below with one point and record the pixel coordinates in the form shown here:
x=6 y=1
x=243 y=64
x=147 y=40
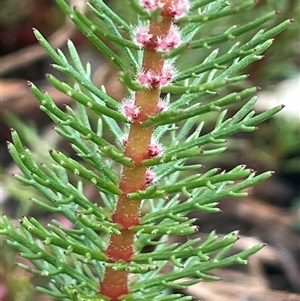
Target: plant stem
x=127 y=213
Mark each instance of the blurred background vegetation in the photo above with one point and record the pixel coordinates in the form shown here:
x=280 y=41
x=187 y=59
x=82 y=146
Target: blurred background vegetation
x=274 y=205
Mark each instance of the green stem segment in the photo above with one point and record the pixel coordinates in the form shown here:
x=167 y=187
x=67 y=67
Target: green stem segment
x=127 y=213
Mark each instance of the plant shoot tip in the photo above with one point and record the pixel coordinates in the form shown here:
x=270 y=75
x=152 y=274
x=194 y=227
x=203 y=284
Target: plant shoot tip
x=152 y=43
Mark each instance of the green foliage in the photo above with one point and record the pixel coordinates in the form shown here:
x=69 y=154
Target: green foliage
x=74 y=259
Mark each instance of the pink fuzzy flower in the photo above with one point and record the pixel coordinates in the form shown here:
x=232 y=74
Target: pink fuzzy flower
x=150 y=176
x=167 y=74
x=145 y=78
x=149 y=79
x=124 y=140
x=155 y=148
x=151 y=5
x=179 y=8
x=129 y=109
x=170 y=41
x=141 y=36
x=161 y=106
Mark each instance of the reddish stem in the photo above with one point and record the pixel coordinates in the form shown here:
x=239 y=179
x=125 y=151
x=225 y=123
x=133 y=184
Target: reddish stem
x=127 y=213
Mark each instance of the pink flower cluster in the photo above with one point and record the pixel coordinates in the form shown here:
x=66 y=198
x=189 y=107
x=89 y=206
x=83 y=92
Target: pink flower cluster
x=171 y=40
x=149 y=79
x=151 y=5
x=150 y=176
x=178 y=9
x=155 y=148
x=141 y=36
x=161 y=106
x=129 y=109
x=132 y=112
